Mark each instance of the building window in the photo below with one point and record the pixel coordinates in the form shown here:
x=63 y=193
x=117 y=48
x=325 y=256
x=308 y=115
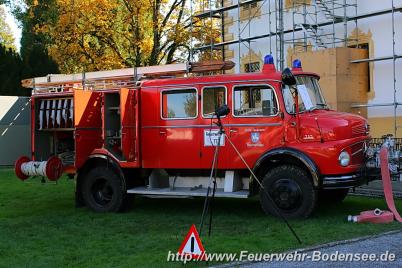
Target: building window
x=254 y=101
x=252 y=67
x=179 y=104
x=250 y=6
x=212 y=98
x=250 y=11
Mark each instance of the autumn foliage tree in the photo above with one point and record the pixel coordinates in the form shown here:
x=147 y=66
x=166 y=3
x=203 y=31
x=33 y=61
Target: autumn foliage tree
x=108 y=34
x=76 y=35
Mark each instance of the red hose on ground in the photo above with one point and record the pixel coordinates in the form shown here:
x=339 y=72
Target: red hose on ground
x=386 y=182
x=377 y=215
x=373 y=216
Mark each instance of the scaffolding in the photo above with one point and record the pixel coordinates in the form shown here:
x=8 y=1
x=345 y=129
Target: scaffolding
x=316 y=22
x=308 y=20
x=315 y=25
x=394 y=57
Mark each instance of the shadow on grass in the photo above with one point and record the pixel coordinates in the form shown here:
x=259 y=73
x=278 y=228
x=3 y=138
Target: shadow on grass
x=40 y=227
x=247 y=208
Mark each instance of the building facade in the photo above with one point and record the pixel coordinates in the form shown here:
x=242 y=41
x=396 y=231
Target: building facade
x=355 y=45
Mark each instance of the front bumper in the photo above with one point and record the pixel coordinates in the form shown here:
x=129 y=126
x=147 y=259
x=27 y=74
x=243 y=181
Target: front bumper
x=350 y=180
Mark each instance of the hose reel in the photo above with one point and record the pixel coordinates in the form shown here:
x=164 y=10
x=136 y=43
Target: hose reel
x=52 y=168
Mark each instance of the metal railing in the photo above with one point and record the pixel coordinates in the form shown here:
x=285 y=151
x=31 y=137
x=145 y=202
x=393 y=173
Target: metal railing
x=378 y=142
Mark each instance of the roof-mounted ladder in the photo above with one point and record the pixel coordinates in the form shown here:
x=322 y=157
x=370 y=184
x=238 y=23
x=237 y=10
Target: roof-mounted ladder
x=119 y=78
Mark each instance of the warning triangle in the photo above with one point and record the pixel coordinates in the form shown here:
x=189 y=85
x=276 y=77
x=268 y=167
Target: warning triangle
x=192 y=245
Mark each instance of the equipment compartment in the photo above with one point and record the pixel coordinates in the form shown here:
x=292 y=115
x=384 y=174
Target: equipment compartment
x=54 y=129
x=113 y=124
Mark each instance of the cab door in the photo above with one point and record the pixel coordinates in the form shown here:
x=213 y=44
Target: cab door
x=256 y=125
x=87 y=123
x=212 y=97
x=178 y=145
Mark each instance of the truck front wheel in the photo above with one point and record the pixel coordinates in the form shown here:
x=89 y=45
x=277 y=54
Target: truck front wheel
x=291 y=190
x=103 y=190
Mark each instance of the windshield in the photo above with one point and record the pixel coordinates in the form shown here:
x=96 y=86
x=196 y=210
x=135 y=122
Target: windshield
x=309 y=92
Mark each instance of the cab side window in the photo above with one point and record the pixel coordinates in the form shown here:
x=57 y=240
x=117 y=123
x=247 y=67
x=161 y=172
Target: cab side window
x=179 y=104
x=212 y=98
x=254 y=100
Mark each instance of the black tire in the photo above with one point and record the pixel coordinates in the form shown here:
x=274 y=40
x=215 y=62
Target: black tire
x=333 y=196
x=103 y=190
x=291 y=190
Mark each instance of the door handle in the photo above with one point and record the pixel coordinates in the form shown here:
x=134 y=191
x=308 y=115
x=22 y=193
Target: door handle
x=233 y=131
x=162 y=132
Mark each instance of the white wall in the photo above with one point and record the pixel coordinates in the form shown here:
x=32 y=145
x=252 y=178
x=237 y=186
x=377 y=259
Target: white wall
x=15 y=135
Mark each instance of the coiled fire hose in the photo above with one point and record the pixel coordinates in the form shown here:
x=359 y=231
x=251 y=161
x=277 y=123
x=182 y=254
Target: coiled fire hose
x=52 y=168
x=377 y=215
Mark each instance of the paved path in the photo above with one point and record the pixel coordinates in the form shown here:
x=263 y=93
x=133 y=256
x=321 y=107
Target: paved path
x=375 y=188
x=391 y=242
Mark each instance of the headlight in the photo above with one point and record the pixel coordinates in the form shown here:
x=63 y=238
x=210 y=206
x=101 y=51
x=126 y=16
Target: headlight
x=344 y=159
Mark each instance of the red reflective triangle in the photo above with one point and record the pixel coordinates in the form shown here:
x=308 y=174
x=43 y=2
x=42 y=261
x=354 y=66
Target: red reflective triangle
x=192 y=245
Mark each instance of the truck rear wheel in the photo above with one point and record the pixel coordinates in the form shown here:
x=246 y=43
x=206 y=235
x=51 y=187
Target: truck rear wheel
x=103 y=190
x=291 y=191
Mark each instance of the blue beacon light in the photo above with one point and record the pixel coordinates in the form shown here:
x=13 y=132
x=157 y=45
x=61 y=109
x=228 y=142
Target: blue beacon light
x=268 y=59
x=269 y=66
x=297 y=64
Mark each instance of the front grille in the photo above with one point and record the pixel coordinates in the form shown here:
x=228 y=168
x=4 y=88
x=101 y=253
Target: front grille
x=359 y=130
x=357 y=152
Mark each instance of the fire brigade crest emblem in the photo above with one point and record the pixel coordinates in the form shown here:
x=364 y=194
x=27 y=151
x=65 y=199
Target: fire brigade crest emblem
x=255 y=137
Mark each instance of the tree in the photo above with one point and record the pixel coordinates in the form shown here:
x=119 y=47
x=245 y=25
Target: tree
x=33 y=59
x=75 y=36
x=10 y=61
x=10 y=72
x=6 y=36
x=34 y=54
x=109 y=34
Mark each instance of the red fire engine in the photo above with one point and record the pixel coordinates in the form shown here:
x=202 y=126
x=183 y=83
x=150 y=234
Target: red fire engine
x=150 y=131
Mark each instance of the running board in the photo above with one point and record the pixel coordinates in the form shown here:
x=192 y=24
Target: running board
x=186 y=191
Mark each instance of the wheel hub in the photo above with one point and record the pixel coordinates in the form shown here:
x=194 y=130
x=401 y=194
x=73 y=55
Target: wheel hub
x=286 y=194
x=102 y=192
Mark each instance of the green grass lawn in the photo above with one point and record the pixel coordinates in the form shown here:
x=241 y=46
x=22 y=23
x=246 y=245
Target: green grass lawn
x=39 y=227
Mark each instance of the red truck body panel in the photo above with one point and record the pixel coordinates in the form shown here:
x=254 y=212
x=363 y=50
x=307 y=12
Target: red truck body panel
x=178 y=144
x=150 y=141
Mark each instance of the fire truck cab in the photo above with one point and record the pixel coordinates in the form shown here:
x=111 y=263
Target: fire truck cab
x=159 y=137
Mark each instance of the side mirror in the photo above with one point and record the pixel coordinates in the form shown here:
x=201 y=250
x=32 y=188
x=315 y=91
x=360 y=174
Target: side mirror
x=288 y=78
x=222 y=111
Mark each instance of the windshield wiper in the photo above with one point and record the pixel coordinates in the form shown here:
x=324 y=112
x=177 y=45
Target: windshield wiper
x=319 y=106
